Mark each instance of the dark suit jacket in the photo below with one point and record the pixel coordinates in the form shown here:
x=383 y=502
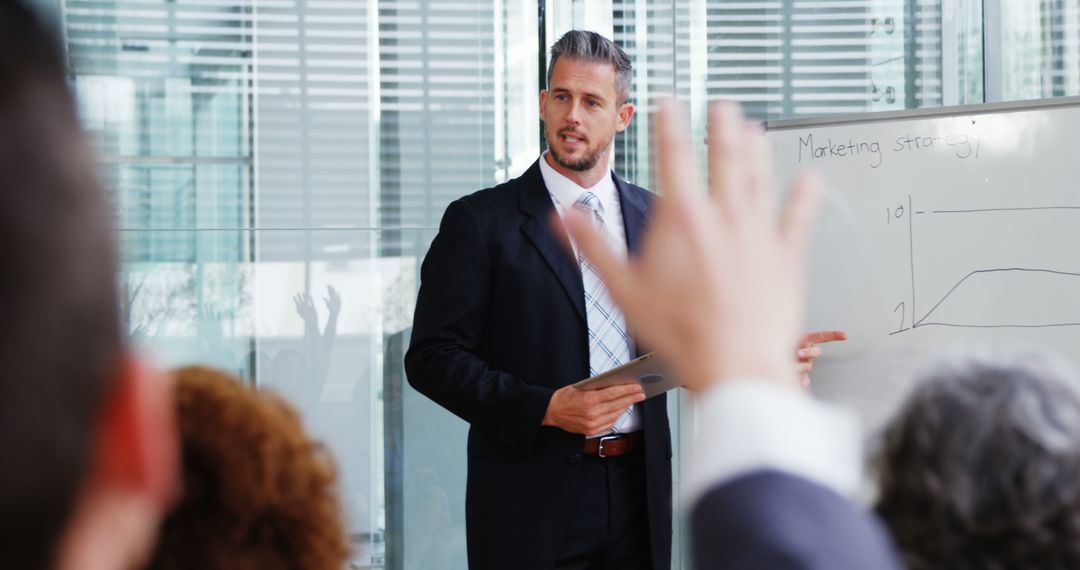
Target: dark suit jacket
x=774 y=520
x=499 y=326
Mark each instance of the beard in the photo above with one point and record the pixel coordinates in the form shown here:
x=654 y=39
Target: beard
x=588 y=161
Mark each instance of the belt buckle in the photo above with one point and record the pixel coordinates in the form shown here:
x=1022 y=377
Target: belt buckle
x=600 y=445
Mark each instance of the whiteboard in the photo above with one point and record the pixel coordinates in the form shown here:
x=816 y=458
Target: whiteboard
x=958 y=226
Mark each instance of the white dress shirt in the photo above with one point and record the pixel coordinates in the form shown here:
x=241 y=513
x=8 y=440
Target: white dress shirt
x=564 y=193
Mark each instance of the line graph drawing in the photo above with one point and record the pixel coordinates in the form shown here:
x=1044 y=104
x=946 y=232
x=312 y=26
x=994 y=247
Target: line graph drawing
x=983 y=272
x=1044 y=293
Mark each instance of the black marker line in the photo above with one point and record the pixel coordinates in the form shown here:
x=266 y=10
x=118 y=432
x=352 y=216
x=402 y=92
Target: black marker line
x=911 y=254
x=919 y=323
x=1001 y=209
x=960 y=325
x=890 y=60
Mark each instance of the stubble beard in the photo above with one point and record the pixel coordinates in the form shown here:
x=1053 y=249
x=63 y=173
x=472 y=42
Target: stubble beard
x=587 y=162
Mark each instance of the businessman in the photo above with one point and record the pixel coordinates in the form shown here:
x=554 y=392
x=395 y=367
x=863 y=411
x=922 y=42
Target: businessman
x=506 y=320
x=509 y=315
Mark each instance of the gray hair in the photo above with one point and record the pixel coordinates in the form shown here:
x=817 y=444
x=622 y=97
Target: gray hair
x=1026 y=390
x=981 y=465
x=581 y=45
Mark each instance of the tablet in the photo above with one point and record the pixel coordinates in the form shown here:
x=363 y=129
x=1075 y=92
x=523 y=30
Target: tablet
x=651 y=371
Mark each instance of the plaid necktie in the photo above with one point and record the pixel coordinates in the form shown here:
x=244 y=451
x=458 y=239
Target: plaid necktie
x=609 y=345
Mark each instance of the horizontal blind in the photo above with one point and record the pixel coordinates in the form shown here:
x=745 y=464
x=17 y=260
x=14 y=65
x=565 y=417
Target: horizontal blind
x=163 y=87
x=312 y=100
x=1040 y=51
x=791 y=58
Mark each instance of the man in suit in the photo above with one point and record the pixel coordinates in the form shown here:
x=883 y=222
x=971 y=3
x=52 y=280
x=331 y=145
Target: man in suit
x=506 y=319
x=721 y=287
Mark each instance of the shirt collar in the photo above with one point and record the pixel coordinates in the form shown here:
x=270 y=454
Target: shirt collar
x=564 y=192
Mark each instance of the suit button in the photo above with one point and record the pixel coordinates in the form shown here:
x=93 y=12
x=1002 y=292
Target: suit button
x=575 y=457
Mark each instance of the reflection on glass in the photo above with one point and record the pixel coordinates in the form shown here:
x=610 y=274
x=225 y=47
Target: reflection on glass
x=311 y=330
x=277 y=173
x=789 y=59
x=1039 y=56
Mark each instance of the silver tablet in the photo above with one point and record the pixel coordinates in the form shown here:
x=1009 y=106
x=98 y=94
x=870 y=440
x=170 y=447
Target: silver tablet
x=651 y=371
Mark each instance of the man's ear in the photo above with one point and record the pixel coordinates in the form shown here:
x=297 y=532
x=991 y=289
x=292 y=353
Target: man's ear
x=136 y=449
x=625 y=112
x=543 y=99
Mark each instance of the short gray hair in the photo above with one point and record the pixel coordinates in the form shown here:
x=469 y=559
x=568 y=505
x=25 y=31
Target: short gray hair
x=592 y=47
x=979 y=468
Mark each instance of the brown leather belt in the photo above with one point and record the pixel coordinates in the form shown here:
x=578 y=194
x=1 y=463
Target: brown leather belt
x=614 y=445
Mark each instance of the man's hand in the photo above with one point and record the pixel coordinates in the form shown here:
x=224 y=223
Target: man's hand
x=717 y=285
x=590 y=412
x=808 y=351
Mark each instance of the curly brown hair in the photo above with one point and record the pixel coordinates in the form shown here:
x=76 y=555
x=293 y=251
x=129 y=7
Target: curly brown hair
x=981 y=468
x=258 y=492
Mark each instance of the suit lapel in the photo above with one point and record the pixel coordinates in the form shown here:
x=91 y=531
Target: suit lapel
x=553 y=246
x=633 y=210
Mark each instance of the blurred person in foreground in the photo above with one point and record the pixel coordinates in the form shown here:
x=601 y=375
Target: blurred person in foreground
x=981 y=467
x=87 y=440
x=718 y=287
x=259 y=493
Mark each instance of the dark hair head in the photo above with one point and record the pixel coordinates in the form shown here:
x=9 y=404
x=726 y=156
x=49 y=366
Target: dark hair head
x=258 y=492
x=981 y=468
x=60 y=339
x=580 y=45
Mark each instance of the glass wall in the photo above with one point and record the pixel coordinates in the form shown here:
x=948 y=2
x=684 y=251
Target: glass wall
x=279 y=167
x=1038 y=50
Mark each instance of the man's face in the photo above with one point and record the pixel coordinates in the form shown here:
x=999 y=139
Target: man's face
x=581 y=114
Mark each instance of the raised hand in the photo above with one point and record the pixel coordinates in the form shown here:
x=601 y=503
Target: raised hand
x=718 y=285
x=305 y=307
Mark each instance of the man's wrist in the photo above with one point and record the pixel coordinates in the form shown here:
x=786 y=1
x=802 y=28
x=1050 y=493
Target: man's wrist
x=549 y=417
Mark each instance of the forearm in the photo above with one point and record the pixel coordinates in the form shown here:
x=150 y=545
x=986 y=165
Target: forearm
x=329 y=334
